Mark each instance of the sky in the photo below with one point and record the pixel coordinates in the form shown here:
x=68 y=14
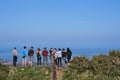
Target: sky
x=72 y=23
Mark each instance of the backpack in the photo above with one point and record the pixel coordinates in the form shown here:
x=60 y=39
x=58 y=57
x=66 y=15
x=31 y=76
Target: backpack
x=30 y=53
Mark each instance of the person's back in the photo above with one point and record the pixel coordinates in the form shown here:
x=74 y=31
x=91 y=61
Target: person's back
x=30 y=54
x=45 y=55
x=51 y=53
x=38 y=52
x=69 y=54
x=24 y=54
x=15 y=53
x=59 y=55
x=63 y=53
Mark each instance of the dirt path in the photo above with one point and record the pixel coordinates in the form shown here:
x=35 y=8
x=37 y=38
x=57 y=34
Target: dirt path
x=60 y=73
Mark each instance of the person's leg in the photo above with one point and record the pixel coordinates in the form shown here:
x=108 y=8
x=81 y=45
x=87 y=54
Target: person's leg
x=60 y=62
x=68 y=58
x=57 y=61
x=51 y=59
x=13 y=60
x=31 y=60
x=40 y=61
x=37 y=61
x=46 y=60
x=24 y=61
x=43 y=60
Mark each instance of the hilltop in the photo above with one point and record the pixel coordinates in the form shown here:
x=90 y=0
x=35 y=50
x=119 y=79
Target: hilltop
x=100 y=67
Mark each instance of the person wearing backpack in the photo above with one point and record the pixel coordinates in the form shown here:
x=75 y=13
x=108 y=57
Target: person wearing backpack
x=45 y=56
x=30 y=55
x=69 y=54
x=38 y=52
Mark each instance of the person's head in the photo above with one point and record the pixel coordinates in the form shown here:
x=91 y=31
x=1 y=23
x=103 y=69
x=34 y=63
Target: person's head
x=68 y=49
x=24 y=47
x=31 y=47
x=38 y=49
x=63 y=49
x=44 y=48
x=55 y=49
x=15 y=48
x=59 y=49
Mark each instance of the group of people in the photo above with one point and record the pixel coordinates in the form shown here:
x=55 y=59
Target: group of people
x=61 y=56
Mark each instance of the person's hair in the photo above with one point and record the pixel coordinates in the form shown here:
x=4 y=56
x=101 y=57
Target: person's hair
x=32 y=47
x=39 y=49
x=63 y=49
x=59 y=49
x=55 y=48
x=14 y=47
x=68 y=50
x=24 y=47
x=44 y=47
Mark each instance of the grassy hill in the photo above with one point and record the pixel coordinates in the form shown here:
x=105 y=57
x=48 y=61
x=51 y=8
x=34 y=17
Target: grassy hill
x=101 y=67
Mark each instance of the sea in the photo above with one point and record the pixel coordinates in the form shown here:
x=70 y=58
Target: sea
x=6 y=54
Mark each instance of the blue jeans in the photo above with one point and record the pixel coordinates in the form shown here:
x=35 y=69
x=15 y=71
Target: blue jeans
x=45 y=60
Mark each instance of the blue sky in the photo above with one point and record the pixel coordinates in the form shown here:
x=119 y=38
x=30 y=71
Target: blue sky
x=74 y=23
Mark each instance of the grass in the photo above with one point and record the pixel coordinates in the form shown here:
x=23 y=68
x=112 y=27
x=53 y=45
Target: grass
x=100 y=67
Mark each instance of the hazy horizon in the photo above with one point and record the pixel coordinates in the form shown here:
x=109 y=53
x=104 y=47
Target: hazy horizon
x=64 y=23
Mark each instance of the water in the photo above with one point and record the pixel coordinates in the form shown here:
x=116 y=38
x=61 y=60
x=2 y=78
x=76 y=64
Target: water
x=88 y=52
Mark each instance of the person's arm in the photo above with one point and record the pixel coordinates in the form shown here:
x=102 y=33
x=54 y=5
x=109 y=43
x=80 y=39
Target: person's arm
x=13 y=52
x=43 y=53
x=16 y=53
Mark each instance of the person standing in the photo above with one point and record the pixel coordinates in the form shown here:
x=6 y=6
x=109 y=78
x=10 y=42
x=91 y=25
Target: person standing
x=45 y=55
x=69 y=54
x=38 y=52
x=64 y=56
x=55 y=54
x=24 y=54
x=30 y=55
x=59 y=55
x=15 y=54
x=51 y=52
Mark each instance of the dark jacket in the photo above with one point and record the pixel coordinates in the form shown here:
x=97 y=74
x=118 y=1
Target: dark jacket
x=31 y=52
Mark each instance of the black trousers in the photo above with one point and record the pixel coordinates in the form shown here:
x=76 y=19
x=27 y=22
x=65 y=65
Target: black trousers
x=14 y=60
x=59 y=63
x=38 y=61
x=69 y=58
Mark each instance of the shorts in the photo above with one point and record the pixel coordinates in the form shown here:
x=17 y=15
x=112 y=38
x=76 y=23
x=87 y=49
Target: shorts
x=30 y=58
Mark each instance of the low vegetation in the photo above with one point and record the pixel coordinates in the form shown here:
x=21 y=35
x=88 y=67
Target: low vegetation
x=100 y=67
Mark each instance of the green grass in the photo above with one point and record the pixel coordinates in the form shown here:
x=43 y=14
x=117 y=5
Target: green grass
x=101 y=67
x=31 y=73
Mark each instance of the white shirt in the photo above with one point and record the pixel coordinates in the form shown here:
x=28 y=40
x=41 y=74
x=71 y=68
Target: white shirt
x=15 y=53
x=59 y=53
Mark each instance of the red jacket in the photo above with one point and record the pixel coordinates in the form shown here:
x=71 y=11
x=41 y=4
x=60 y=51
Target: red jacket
x=45 y=53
